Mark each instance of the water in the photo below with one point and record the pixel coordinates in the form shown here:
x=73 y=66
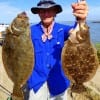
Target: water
x=94 y=30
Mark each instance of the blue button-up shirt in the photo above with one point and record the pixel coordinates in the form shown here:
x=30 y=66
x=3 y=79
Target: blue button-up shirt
x=48 y=59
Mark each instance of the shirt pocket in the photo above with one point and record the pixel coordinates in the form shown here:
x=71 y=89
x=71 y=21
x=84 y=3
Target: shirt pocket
x=37 y=46
x=60 y=39
x=38 y=53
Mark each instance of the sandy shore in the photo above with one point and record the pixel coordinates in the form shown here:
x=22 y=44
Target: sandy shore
x=94 y=84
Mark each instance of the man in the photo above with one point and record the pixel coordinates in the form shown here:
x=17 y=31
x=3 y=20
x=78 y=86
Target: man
x=47 y=81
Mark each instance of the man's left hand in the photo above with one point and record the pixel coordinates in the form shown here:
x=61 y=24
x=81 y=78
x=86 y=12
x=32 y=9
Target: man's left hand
x=80 y=10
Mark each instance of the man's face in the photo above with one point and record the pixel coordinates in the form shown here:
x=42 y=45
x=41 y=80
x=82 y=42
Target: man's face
x=47 y=15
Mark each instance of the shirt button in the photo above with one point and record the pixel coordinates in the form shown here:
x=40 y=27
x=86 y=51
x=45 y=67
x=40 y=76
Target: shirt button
x=58 y=42
x=48 y=66
x=48 y=54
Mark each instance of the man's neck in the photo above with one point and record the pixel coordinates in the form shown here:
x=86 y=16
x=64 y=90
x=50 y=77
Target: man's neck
x=47 y=25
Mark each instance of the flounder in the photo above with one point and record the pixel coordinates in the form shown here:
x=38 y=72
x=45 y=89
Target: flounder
x=79 y=57
x=18 y=53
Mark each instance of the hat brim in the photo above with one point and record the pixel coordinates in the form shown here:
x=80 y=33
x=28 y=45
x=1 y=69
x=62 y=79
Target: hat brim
x=35 y=10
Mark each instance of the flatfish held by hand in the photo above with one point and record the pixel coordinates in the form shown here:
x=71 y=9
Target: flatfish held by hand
x=18 y=53
x=79 y=57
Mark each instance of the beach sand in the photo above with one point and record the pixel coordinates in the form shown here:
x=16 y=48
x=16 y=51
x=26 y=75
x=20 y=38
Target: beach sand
x=93 y=84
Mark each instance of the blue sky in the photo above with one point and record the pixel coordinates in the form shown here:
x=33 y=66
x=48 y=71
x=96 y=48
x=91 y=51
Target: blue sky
x=10 y=8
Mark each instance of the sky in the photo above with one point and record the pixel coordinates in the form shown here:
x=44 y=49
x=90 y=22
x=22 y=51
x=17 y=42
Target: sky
x=10 y=8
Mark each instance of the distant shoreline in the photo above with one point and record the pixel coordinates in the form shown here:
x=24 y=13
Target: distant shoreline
x=95 y=21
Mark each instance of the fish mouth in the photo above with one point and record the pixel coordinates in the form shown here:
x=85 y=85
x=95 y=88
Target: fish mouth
x=17 y=29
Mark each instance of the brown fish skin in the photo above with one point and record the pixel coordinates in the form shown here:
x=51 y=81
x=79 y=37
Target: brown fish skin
x=79 y=58
x=18 y=53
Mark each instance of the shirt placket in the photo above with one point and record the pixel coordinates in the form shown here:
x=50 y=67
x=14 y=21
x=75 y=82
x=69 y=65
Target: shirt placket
x=48 y=56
